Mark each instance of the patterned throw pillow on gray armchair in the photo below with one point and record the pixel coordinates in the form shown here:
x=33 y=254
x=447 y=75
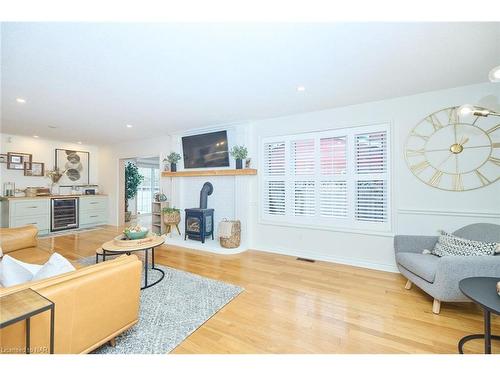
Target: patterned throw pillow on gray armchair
x=450 y=245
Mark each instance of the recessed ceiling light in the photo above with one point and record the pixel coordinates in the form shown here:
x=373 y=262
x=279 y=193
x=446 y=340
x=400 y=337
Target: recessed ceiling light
x=79 y=142
x=301 y=88
x=35 y=136
x=494 y=75
x=52 y=126
x=129 y=126
x=21 y=100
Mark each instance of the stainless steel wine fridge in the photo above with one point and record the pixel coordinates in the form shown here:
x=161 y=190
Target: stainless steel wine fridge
x=64 y=213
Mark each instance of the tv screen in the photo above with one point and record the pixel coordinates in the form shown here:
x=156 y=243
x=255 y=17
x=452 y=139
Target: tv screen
x=206 y=150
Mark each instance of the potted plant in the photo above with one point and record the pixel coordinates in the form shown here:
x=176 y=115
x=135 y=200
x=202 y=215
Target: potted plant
x=132 y=181
x=173 y=158
x=171 y=215
x=54 y=175
x=239 y=153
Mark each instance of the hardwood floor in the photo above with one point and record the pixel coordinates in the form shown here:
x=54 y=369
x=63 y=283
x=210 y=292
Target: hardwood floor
x=291 y=306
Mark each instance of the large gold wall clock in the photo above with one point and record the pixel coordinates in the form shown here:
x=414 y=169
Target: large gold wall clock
x=453 y=151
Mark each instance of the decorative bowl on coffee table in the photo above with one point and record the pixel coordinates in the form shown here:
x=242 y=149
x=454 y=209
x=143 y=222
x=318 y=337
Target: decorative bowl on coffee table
x=136 y=235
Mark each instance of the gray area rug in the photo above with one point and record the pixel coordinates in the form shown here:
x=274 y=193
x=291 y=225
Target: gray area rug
x=170 y=311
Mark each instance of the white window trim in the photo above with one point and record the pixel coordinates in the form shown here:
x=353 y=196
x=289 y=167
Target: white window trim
x=334 y=224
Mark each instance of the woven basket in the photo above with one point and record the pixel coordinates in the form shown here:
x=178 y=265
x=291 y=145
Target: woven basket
x=235 y=238
x=172 y=218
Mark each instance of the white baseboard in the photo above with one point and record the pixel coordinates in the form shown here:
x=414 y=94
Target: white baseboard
x=334 y=259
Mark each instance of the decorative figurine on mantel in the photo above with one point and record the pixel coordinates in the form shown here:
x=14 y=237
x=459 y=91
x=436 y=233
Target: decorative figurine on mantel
x=166 y=165
x=239 y=153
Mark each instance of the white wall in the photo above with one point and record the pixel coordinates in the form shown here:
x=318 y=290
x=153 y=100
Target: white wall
x=42 y=151
x=109 y=161
x=417 y=207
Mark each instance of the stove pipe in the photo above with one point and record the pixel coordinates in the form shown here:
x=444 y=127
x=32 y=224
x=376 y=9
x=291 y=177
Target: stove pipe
x=206 y=190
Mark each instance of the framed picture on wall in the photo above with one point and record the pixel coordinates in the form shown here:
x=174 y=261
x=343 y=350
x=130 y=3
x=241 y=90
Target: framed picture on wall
x=34 y=169
x=16 y=160
x=75 y=165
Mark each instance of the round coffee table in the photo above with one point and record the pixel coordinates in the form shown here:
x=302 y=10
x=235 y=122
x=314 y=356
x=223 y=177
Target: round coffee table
x=482 y=290
x=115 y=248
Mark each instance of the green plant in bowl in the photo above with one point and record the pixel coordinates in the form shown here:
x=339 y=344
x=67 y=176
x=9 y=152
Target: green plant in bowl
x=136 y=233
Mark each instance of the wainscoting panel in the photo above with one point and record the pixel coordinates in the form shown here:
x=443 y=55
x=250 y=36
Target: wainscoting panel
x=428 y=222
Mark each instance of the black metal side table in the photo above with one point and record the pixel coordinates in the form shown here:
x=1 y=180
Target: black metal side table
x=23 y=305
x=482 y=290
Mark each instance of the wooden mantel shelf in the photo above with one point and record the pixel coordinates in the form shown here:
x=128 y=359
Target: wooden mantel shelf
x=211 y=172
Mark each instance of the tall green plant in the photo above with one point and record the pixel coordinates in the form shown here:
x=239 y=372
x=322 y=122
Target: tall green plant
x=132 y=181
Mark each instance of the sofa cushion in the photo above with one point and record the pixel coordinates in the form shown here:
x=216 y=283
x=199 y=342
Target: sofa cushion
x=422 y=265
x=12 y=239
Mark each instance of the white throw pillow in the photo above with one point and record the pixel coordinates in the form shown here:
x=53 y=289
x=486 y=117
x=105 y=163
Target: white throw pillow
x=33 y=268
x=13 y=273
x=56 y=265
x=1 y=252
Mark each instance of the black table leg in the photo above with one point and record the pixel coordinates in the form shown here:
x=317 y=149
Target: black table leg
x=146 y=269
x=52 y=313
x=487 y=336
x=487 y=332
x=28 y=329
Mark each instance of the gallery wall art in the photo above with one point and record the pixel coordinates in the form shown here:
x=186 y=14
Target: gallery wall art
x=74 y=164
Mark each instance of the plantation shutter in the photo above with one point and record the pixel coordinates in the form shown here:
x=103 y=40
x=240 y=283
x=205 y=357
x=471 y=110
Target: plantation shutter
x=332 y=179
x=303 y=182
x=370 y=200
x=274 y=187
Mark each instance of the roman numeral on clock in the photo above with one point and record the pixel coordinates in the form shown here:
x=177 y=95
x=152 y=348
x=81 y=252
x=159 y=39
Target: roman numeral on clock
x=482 y=178
x=452 y=116
x=457 y=182
x=436 y=178
x=418 y=135
x=433 y=120
x=494 y=160
x=417 y=168
x=418 y=152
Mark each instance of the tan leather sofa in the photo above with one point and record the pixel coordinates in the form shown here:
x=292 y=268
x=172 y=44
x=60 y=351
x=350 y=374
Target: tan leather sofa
x=93 y=304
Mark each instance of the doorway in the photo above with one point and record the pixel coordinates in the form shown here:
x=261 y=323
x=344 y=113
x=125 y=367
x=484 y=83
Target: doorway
x=140 y=205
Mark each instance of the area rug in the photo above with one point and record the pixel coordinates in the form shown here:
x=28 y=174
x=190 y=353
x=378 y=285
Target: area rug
x=170 y=311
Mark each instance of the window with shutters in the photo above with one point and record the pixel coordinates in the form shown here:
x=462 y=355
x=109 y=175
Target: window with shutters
x=337 y=178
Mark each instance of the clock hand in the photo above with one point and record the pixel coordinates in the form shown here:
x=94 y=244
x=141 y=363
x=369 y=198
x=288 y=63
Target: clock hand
x=465 y=141
x=478 y=146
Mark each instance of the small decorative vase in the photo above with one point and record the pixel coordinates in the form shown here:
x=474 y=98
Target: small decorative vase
x=54 y=189
x=173 y=167
x=239 y=164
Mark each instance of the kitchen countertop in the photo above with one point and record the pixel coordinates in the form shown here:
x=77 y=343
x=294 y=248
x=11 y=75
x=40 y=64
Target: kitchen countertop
x=54 y=196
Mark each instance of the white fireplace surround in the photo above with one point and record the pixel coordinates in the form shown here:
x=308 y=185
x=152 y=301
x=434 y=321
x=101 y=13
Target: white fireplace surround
x=231 y=197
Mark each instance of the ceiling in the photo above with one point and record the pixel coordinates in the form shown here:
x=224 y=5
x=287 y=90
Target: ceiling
x=89 y=80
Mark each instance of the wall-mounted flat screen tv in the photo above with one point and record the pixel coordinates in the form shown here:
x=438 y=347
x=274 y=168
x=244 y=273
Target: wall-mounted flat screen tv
x=206 y=150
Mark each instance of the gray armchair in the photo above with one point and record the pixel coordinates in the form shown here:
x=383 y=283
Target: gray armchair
x=439 y=277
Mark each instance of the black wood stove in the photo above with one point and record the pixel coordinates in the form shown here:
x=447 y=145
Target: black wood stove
x=199 y=222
